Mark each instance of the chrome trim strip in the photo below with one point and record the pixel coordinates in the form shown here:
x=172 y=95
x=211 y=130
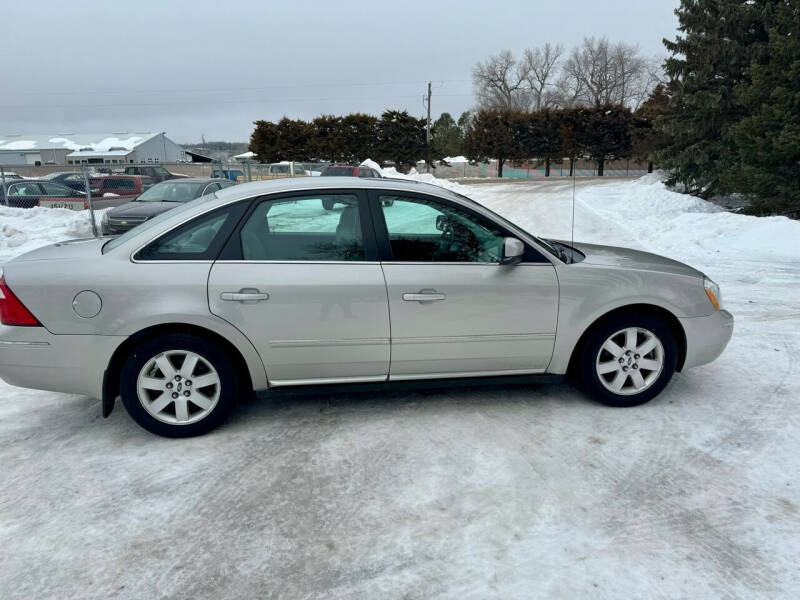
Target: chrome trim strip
x=328 y=343
x=456 y=339
x=464 y=374
x=327 y=380
x=25 y=344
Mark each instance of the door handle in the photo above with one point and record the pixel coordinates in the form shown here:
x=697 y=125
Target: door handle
x=424 y=296
x=246 y=295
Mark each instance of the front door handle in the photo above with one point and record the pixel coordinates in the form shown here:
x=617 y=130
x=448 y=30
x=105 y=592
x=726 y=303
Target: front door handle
x=245 y=295
x=424 y=296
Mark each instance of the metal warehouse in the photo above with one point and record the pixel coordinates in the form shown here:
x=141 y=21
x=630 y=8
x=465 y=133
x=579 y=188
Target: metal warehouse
x=88 y=148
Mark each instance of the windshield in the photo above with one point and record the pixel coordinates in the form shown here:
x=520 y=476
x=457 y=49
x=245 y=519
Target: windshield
x=150 y=223
x=170 y=191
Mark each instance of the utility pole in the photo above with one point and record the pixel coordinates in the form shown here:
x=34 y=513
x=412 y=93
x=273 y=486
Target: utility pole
x=428 y=131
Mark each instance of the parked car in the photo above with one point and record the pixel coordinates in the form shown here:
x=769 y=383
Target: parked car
x=258 y=288
x=349 y=171
x=12 y=176
x=158 y=199
x=232 y=174
x=156 y=172
x=71 y=179
x=28 y=193
x=122 y=186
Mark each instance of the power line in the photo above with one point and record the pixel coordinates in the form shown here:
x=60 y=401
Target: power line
x=213 y=90
x=208 y=102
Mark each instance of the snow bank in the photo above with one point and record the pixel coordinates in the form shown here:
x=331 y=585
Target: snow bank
x=25 y=229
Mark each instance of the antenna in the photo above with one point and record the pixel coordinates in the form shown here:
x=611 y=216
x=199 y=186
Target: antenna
x=572 y=235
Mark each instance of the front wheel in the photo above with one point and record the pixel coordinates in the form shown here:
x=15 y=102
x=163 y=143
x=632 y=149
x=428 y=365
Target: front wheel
x=178 y=385
x=628 y=360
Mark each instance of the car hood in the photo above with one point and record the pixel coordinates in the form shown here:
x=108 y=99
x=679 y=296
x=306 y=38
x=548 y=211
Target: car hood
x=626 y=258
x=70 y=250
x=141 y=209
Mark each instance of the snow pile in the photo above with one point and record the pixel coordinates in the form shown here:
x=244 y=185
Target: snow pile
x=455 y=159
x=25 y=229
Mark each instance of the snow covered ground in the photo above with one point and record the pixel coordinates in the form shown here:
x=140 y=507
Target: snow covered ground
x=513 y=492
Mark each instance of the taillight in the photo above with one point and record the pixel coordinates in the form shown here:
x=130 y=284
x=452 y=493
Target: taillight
x=12 y=311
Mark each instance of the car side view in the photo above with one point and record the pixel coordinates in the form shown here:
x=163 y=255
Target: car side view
x=260 y=287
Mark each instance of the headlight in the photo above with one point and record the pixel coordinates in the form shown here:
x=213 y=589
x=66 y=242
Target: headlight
x=713 y=293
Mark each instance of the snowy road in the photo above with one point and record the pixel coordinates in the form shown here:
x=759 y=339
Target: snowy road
x=514 y=492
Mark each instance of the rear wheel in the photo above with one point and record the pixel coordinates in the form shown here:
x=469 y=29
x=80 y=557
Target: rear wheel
x=628 y=359
x=178 y=385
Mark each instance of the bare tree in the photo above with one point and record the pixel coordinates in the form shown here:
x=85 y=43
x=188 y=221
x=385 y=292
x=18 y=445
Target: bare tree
x=501 y=82
x=541 y=67
x=598 y=72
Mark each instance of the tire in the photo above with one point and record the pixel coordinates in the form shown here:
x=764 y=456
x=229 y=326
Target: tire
x=147 y=383
x=608 y=358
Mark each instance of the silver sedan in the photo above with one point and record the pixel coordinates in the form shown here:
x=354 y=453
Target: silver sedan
x=331 y=281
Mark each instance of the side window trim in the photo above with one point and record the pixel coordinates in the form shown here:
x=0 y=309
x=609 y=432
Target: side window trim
x=532 y=255
x=232 y=251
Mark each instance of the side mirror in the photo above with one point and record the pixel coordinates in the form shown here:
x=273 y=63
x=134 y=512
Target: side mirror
x=513 y=249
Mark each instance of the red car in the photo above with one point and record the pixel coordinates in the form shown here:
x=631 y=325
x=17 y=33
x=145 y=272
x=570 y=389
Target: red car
x=124 y=186
x=349 y=171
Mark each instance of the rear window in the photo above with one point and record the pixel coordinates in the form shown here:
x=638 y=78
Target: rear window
x=337 y=172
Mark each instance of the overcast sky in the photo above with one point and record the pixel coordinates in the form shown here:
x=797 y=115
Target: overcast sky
x=199 y=67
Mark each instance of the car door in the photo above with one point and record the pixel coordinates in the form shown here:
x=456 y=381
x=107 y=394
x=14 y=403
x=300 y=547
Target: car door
x=25 y=194
x=455 y=311
x=55 y=195
x=304 y=285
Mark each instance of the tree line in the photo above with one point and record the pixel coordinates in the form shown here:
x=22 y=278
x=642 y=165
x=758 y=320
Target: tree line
x=601 y=133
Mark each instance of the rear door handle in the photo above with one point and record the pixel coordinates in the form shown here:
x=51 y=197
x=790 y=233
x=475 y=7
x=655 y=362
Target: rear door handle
x=424 y=296
x=246 y=295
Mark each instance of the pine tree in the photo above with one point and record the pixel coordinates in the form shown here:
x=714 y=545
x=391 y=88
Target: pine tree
x=604 y=134
x=647 y=139
x=538 y=135
x=721 y=38
x=264 y=142
x=401 y=138
x=359 y=138
x=446 y=137
x=767 y=140
x=294 y=139
x=326 y=143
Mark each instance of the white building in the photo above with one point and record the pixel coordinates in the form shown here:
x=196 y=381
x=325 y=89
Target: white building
x=89 y=148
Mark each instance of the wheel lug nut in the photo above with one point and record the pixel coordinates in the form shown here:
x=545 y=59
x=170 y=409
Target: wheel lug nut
x=186 y=393
x=625 y=369
x=169 y=386
x=635 y=366
x=636 y=356
x=187 y=383
x=174 y=394
x=621 y=360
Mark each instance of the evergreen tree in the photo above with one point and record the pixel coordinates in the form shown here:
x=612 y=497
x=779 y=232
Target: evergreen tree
x=710 y=60
x=294 y=139
x=605 y=134
x=326 y=143
x=264 y=142
x=767 y=140
x=646 y=139
x=491 y=135
x=401 y=138
x=446 y=137
x=538 y=136
x=358 y=138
